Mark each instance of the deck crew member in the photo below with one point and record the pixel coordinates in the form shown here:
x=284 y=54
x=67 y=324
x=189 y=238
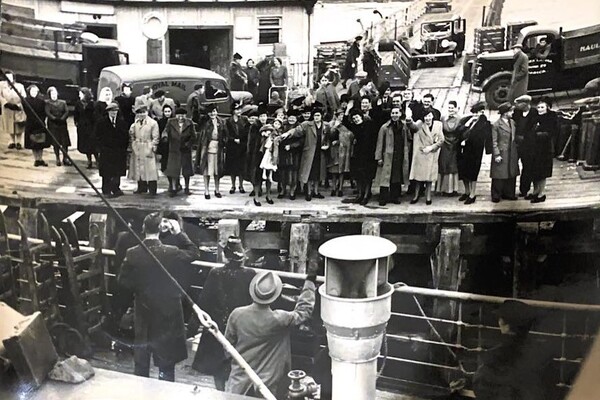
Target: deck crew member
x=159 y=327
x=262 y=335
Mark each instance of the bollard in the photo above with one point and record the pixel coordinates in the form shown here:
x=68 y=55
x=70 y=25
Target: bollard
x=355 y=308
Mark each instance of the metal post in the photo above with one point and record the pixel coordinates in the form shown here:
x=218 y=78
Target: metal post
x=483 y=17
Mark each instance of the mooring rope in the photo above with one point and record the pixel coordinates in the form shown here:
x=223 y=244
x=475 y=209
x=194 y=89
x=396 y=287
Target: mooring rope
x=204 y=318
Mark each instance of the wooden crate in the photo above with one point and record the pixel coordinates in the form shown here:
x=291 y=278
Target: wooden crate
x=489 y=39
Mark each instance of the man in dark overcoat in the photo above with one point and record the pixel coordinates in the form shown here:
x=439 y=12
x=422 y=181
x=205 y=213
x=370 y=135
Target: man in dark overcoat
x=525 y=118
x=225 y=289
x=352 y=55
x=112 y=136
x=520 y=74
x=237 y=76
x=181 y=136
x=159 y=327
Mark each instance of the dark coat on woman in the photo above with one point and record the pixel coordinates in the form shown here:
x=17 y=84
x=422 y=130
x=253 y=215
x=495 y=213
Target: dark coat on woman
x=32 y=126
x=471 y=153
x=57 y=114
x=85 y=122
x=158 y=310
x=180 y=147
x=237 y=77
x=371 y=62
x=253 y=80
x=363 y=164
x=163 y=145
x=253 y=154
x=448 y=161
x=308 y=131
x=545 y=129
x=225 y=289
x=126 y=108
x=290 y=159
x=235 y=160
x=204 y=138
x=352 y=55
x=503 y=144
x=264 y=68
x=113 y=142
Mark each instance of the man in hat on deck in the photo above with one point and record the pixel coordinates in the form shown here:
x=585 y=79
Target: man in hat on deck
x=225 y=289
x=349 y=70
x=237 y=76
x=112 y=134
x=520 y=74
x=525 y=118
x=262 y=335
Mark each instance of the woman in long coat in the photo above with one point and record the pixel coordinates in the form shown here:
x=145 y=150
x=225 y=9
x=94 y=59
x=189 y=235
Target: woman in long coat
x=505 y=160
x=254 y=155
x=181 y=136
x=237 y=127
x=163 y=145
x=363 y=166
x=36 y=137
x=427 y=142
x=143 y=138
x=12 y=111
x=57 y=114
x=475 y=131
x=253 y=77
x=447 y=182
x=211 y=150
x=546 y=130
x=85 y=121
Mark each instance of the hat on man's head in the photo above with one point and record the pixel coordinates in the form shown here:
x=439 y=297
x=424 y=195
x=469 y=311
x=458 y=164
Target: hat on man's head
x=480 y=105
x=159 y=93
x=517 y=314
x=361 y=74
x=141 y=108
x=181 y=110
x=263 y=109
x=293 y=113
x=504 y=107
x=234 y=250
x=210 y=107
x=237 y=56
x=266 y=127
x=318 y=107
x=298 y=101
x=525 y=98
x=358 y=37
x=235 y=106
x=265 y=288
x=112 y=107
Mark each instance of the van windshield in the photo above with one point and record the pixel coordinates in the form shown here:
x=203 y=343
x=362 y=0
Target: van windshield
x=109 y=79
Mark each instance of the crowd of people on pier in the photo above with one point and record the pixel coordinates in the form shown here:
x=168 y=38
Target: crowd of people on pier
x=313 y=144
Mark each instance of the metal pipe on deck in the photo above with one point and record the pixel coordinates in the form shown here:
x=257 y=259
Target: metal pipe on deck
x=355 y=308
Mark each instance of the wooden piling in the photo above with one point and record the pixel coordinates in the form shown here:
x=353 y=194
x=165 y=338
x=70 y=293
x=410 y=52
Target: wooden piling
x=299 y=240
x=226 y=228
x=29 y=219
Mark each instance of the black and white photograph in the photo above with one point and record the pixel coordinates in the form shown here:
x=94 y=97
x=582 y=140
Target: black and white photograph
x=299 y=199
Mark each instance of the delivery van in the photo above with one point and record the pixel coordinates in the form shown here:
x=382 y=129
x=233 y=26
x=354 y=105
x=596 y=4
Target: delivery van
x=177 y=81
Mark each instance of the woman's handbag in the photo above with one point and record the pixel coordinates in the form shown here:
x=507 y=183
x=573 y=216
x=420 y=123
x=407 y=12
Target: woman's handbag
x=38 y=137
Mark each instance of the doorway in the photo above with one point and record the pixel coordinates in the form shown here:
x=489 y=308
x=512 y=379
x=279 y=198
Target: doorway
x=208 y=48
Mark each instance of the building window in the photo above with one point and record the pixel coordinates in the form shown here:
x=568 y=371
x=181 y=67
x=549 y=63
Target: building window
x=269 y=29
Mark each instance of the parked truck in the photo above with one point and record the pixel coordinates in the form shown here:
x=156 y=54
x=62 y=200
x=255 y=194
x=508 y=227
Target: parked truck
x=52 y=54
x=572 y=61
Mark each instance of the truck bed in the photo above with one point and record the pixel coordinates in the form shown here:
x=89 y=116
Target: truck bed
x=581 y=47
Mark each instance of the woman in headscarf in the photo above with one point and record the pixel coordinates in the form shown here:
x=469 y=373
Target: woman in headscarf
x=85 y=122
x=57 y=114
x=546 y=130
x=427 y=141
x=475 y=132
x=105 y=97
x=36 y=138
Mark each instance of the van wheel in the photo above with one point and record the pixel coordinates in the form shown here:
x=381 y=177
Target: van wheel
x=497 y=93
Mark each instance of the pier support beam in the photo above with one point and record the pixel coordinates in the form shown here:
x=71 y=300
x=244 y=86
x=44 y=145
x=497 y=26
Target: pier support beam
x=299 y=242
x=371 y=227
x=227 y=228
x=29 y=218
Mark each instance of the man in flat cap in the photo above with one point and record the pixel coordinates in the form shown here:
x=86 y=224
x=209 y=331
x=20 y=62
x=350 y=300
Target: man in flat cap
x=520 y=73
x=262 y=335
x=525 y=118
x=144 y=136
x=237 y=76
x=349 y=70
x=112 y=134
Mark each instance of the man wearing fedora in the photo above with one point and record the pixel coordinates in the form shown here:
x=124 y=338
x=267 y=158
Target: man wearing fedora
x=517 y=368
x=262 y=335
x=520 y=73
x=144 y=136
x=159 y=327
x=225 y=289
x=112 y=134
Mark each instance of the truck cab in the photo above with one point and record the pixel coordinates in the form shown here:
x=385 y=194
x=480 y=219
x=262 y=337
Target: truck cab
x=440 y=36
x=558 y=61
